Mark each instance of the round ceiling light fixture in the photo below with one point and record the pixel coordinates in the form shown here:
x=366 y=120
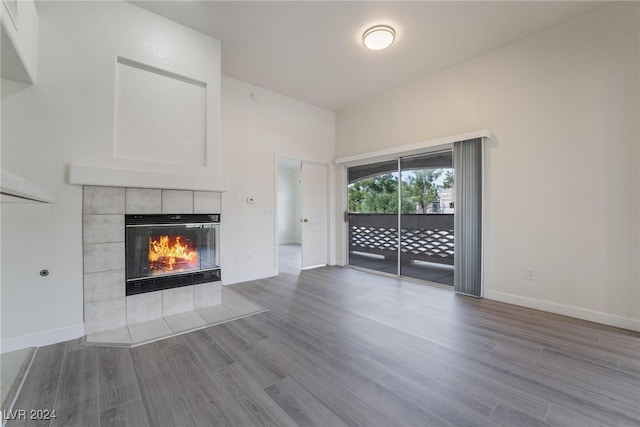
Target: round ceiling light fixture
x=379 y=37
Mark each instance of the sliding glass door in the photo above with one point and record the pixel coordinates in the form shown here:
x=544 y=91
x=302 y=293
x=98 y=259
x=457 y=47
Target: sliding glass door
x=401 y=216
x=426 y=232
x=373 y=216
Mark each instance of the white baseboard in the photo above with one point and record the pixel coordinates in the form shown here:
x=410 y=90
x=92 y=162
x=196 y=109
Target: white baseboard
x=566 y=310
x=248 y=277
x=311 y=267
x=40 y=339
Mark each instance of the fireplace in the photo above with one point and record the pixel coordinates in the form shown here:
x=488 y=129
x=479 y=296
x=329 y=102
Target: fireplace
x=170 y=251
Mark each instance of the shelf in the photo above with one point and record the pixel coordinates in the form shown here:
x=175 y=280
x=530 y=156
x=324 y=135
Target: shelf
x=16 y=186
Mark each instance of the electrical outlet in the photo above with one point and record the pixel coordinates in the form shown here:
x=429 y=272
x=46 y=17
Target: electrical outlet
x=529 y=274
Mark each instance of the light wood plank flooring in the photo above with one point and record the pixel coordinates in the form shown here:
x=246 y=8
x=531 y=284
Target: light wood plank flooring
x=340 y=347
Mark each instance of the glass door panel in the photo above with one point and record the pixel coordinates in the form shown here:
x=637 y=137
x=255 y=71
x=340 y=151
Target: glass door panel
x=426 y=232
x=373 y=216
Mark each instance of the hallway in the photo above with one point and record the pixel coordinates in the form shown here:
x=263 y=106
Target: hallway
x=289 y=258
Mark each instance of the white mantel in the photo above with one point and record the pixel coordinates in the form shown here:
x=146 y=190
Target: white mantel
x=114 y=177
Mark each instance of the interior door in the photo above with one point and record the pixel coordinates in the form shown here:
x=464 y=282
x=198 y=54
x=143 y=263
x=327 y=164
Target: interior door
x=314 y=214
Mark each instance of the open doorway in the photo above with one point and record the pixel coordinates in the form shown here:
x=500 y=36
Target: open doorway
x=289 y=214
x=303 y=215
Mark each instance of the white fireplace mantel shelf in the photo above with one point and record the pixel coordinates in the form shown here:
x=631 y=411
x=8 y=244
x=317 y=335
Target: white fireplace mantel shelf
x=114 y=177
x=16 y=186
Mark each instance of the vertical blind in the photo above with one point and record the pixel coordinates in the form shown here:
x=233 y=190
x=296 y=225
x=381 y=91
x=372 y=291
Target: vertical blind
x=467 y=160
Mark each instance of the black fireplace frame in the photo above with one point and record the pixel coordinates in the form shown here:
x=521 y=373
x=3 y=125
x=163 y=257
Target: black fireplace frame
x=157 y=283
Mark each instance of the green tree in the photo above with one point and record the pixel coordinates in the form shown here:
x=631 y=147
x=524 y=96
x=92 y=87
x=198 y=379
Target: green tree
x=448 y=179
x=377 y=194
x=356 y=196
x=422 y=188
x=408 y=206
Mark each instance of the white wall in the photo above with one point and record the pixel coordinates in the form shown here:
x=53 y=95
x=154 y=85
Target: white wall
x=253 y=135
x=68 y=118
x=289 y=230
x=562 y=181
x=20 y=41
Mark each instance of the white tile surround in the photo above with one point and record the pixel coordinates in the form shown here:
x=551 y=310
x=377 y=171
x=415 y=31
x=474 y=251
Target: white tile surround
x=106 y=307
x=177 y=201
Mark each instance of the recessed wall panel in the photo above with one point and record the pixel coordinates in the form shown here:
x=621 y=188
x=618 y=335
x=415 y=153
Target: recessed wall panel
x=159 y=116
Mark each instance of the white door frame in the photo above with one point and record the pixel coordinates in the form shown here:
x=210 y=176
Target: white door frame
x=330 y=206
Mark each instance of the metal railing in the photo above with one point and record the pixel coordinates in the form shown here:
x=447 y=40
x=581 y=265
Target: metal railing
x=424 y=237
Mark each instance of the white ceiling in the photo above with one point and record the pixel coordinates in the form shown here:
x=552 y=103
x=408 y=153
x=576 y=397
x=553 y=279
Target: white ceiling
x=312 y=51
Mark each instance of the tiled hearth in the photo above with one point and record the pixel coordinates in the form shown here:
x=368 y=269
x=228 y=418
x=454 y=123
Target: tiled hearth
x=106 y=308
x=233 y=306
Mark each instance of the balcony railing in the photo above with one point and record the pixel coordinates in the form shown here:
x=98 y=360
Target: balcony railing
x=423 y=237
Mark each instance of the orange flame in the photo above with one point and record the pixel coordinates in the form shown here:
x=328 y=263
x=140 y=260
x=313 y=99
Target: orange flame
x=163 y=256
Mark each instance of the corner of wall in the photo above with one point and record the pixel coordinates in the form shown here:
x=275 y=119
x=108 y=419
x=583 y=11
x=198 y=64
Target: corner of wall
x=42 y=338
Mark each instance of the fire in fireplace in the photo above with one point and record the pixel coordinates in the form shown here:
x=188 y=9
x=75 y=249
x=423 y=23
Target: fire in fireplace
x=169 y=251
x=167 y=254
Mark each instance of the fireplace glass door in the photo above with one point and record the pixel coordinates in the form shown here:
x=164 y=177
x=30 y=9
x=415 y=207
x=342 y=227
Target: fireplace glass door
x=165 y=251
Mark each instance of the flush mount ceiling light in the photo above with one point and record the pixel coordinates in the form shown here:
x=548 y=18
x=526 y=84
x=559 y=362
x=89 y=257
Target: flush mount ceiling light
x=378 y=37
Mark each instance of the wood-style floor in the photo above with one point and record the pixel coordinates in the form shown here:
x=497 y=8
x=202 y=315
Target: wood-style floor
x=342 y=347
